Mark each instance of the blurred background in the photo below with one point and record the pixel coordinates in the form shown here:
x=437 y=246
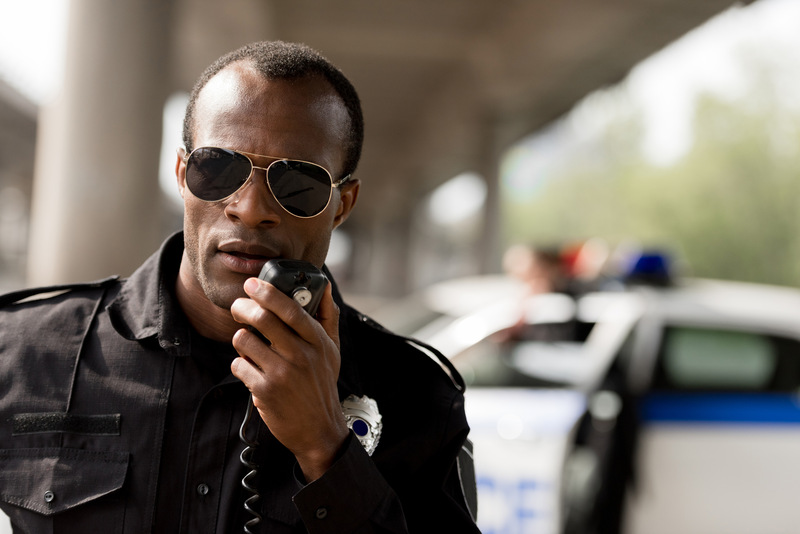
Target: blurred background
x=593 y=129
x=667 y=122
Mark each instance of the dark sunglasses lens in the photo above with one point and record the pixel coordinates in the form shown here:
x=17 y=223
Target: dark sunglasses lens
x=215 y=173
x=303 y=189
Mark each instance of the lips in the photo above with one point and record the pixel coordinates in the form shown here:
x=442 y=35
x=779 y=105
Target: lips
x=244 y=258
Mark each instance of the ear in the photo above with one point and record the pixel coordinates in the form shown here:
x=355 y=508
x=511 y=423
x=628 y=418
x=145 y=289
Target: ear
x=180 y=171
x=348 y=195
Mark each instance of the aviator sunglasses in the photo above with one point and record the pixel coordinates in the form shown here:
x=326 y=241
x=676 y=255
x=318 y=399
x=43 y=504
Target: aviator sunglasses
x=302 y=188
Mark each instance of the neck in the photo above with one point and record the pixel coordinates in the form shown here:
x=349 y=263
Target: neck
x=208 y=319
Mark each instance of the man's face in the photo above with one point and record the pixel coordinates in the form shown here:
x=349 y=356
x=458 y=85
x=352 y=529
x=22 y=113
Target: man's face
x=230 y=240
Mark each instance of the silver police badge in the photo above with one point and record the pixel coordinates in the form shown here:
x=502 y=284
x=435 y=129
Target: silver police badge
x=364 y=419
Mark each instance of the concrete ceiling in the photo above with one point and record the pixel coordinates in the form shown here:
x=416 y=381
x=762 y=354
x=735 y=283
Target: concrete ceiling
x=446 y=85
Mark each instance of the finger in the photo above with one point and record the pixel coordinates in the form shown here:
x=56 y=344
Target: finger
x=284 y=307
x=262 y=292
x=264 y=357
x=244 y=367
x=264 y=320
x=268 y=330
x=266 y=295
x=247 y=311
x=249 y=343
x=258 y=366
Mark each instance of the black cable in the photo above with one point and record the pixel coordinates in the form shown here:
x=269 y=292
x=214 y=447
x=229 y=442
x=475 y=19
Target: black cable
x=246 y=457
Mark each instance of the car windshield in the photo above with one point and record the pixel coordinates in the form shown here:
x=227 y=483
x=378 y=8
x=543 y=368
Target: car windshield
x=495 y=362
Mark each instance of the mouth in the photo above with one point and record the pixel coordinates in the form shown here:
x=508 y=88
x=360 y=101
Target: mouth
x=245 y=258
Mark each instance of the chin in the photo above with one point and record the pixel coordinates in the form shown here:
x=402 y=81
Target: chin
x=223 y=295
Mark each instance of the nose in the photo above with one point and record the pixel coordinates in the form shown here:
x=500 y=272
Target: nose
x=254 y=205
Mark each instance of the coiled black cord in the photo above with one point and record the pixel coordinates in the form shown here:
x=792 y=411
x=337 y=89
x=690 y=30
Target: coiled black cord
x=246 y=457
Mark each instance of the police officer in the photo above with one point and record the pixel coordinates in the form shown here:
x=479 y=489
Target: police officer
x=123 y=400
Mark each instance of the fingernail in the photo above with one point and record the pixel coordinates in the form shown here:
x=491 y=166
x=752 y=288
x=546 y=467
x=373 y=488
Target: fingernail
x=251 y=285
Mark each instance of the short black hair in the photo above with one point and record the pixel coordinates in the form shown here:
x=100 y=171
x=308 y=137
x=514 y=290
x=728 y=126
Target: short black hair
x=278 y=60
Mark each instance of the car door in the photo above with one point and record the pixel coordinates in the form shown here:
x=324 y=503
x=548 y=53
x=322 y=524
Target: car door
x=719 y=435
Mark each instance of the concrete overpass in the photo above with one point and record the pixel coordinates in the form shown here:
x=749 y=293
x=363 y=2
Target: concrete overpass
x=446 y=87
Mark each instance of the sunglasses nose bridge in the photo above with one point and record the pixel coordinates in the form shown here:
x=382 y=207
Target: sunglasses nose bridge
x=249 y=181
x=253 y=203
x=258 y=168
x=255 y=171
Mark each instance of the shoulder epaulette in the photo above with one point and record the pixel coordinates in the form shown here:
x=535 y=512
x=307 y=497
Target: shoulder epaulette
x=22 y=294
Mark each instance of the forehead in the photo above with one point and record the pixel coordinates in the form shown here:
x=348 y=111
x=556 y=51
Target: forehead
x=299 y=118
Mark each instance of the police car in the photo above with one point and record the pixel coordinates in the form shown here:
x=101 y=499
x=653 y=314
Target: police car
x=655 y=408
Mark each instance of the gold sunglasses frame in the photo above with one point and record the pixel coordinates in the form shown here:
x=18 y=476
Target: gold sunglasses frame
x=334 y=185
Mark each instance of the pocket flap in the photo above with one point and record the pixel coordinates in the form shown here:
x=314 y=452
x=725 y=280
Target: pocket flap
x=51 y=480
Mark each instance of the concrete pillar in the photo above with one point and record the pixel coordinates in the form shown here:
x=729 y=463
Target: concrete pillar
x=490 y=247
x=96 y=200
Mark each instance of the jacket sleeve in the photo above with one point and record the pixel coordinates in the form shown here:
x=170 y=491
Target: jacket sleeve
x=353 y=497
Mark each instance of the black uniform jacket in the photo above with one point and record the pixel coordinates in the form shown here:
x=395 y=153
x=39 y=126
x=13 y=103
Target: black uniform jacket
x=89 y=408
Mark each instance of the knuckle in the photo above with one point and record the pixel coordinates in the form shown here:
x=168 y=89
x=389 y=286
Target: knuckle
x=258 y=315
x=269 y=291
x=238 y=307
x=294 y=314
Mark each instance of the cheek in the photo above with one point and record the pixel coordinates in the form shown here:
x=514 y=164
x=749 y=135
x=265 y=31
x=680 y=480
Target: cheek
x=198 y=217
x=317 y=240
x=190 y=220
x=196 y=212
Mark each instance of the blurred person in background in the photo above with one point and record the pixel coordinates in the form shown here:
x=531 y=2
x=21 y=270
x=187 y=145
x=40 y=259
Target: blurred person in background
x=123 y=400
x=545 y=285
x=541 y=270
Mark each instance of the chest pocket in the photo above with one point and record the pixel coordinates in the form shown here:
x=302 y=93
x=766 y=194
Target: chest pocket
x=49 y=489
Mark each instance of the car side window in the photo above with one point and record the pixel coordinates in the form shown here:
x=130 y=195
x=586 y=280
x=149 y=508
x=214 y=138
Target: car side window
x=714 y=359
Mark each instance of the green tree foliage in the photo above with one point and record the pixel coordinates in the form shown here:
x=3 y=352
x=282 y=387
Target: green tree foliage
x=730 y=208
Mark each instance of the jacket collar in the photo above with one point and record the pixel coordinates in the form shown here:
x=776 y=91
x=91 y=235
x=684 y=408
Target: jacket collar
x=146 y=306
